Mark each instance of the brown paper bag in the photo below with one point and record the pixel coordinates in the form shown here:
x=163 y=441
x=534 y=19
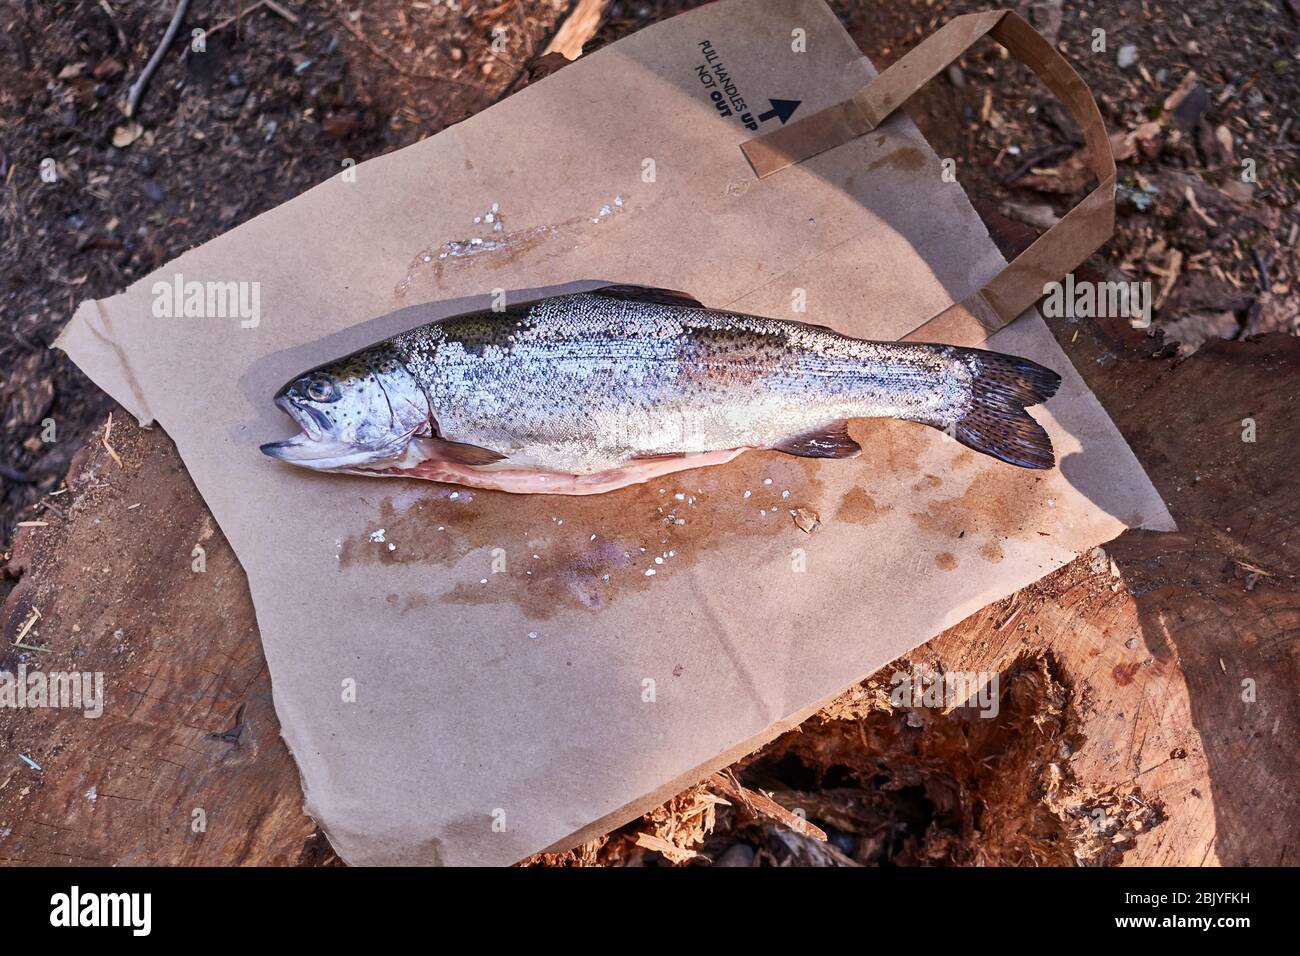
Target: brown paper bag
x=469 y=677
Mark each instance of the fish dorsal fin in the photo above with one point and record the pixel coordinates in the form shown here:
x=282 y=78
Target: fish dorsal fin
x=832 y=441
x=645 y=293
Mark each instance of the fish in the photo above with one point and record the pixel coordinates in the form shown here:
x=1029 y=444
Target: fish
x=588 y=392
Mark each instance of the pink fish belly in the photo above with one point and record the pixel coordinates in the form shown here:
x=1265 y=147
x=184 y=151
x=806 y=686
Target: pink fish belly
x=530 y=481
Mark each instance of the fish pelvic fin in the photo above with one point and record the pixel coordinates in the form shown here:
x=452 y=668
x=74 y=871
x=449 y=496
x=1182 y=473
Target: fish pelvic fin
x=830 y=441
x=996 y=422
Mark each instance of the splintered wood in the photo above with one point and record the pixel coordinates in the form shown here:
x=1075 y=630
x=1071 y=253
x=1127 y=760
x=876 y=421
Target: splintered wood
x=578 y=28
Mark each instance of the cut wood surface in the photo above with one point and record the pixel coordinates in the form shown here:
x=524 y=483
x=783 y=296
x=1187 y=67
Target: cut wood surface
x=1169 y=660
x=186 y=764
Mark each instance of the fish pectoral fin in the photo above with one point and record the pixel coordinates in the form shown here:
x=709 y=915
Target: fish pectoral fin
x=832 y=441
x=645 y=293
x=456 y=452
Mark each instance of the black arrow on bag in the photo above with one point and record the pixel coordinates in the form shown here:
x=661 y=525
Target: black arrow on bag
x=780 y=108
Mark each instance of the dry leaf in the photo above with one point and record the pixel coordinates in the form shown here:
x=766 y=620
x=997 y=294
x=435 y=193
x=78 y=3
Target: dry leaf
x=124 y=136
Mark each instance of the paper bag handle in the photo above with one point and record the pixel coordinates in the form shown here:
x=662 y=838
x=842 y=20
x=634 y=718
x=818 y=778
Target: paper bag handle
x=1059 y=250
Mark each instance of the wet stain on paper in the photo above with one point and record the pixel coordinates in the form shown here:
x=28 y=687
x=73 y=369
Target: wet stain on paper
x=490 y=244
x=997 y=501
x=859 y=507
x=548 y=553
x=889 y=445
x=927 y=483
x=544 y=553
x=906 y=157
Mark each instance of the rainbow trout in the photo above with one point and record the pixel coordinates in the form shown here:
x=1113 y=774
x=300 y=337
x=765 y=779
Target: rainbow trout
x=581 y=394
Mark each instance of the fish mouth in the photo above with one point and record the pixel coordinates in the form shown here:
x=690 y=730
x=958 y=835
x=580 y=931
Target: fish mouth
x=312 y=448
x=312 y=421
x=303 y=450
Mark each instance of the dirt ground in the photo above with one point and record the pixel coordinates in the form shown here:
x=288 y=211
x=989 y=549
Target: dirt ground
x=1195 y=94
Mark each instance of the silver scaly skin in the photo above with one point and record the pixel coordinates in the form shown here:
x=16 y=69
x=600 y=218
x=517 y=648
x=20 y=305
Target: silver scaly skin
x=593 y=384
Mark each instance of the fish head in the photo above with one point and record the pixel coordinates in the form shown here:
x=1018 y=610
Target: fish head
x=354 y=413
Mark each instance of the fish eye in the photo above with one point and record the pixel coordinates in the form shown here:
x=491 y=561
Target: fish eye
x=321 y=390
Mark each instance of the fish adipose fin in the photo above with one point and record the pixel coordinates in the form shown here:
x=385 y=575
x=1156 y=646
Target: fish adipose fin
x=645 y=293
x=833 y=441
x=996 y=422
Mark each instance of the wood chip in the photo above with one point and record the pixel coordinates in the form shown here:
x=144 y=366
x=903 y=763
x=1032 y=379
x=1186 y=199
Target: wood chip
x=1190 y=196
x=1010 y=618
x=108 y=430
x=127 y=134
x=578 y=28
x=281 y=11
x=761 y=805
x=32 y=618
x=1175 y=99
x=808 y=521
x=675 y=854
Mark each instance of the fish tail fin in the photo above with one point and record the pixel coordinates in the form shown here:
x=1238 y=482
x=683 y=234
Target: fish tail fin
x=995 y=421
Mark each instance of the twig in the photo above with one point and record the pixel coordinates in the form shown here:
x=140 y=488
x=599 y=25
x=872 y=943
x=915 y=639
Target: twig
x=761 y=805
x=108 y=430
x=248 y=11
x=1252 y=569
x=137 y=88
x=276 y=8
x=239 y=16
x=1261 y=263
x=1038 y=157
x=121 y=37
x=51 y=506
x=30 y=623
